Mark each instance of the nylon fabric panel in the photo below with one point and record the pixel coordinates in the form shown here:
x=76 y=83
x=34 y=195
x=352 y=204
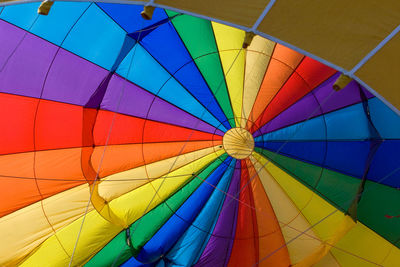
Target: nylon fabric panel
x=142 y=70
x=314 y=209
x=53 y=27
x=384 y=119
x=32 y=58
x=198 y=37
x=258 y=55
x=58 y=214
x=165 y=45
x=346 y=157
x=319 y=101
x=384 y=167
x=170 y=232
x=96 y=37
x=142 y=230
x=137 y=102
x=290 y=218
x=118 y=158
x=219 y=246
x=90 y=240
x=282 y=64
x=308 y=75
x=191 y=243
x=319 y=179
x=128 y=130
x=128 y=16
x=130 y=179
x=245 y=250
x=349 y=123
x=340 y=190
x=229 y=41
x=270 y=237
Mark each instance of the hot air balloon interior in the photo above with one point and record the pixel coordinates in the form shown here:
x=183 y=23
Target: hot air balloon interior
x=135 y=136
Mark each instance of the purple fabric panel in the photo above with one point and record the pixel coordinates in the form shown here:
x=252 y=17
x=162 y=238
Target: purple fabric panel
x=72 y=79
x=308 y=106
x=219 y=246
x=297 y=112
x=137 y=102
x=26 y=69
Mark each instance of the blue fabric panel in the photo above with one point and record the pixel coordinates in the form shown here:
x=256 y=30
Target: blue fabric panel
x=132 y=262
x=345 y=157
x=386 y=121
x=21 y=15
x=313 y=129
x=348 y=123
x=189 y=247
x=312 y=152
x=96 y=37
x=128 y=16
x=385 y=167
x=53 y=27
x=348 y=157
x=165 y=45
x=170 y=232
x=150 y=75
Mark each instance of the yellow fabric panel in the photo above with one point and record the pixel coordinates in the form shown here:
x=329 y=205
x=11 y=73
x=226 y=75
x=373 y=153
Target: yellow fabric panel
x=33 y=227
x=365 y=244
x=97 y=231
x=258 y=55
x=63 y=208
x=362 y=241
x=341 y=230
x=291 y=220
x=118 y=184
x=340 y=31
x=127 y=206
x=381 y=72
x=230 y=41
x=236 y=11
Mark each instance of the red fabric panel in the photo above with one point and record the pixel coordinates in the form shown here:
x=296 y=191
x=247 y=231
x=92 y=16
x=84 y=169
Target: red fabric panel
x=308 y=75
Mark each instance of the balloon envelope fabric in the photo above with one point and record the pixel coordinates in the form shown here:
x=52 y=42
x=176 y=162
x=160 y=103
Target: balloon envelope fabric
x=163 y=142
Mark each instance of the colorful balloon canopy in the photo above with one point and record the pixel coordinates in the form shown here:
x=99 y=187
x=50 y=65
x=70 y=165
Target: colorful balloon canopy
x=163 y=142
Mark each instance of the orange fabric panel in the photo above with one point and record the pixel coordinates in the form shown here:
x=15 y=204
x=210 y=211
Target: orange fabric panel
x=245 y=246
x=269 y=231
x=128 y=130
x=16 y=123
x=281 y=66
x=118 y=158
x=308 y=75
x=56 y=170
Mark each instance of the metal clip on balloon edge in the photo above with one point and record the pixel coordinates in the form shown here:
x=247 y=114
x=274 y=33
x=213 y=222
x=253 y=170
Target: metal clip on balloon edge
x=45 y=7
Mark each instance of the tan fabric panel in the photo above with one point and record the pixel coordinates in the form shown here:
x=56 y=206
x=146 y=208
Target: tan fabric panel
x=382 y=71
x=340 y=31
x=240 y=12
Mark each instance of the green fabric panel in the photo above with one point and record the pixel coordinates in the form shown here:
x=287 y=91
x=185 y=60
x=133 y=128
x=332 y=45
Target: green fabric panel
x=336 y=188
x=308 y=174
x=339 y=188
x=143 y=229
x=108 y=254
x=377 y=201
x=198 y=36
